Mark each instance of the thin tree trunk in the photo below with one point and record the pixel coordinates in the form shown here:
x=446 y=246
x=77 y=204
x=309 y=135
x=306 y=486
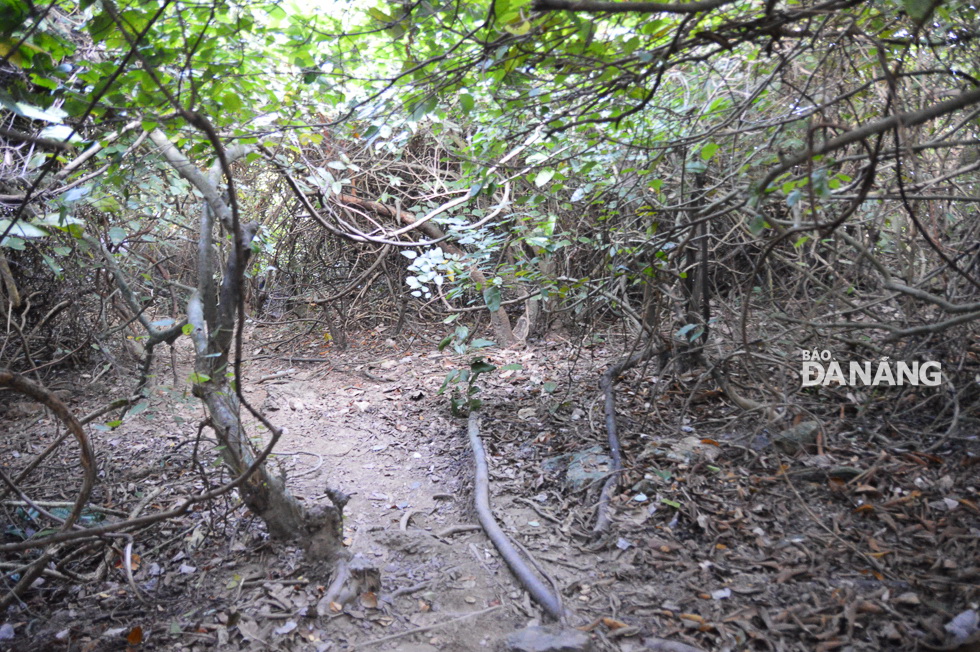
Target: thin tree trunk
x=212 y=313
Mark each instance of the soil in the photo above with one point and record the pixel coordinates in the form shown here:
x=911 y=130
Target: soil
x=720 y=540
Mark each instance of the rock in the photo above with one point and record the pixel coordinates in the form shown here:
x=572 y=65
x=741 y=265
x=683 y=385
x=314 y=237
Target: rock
x=965 y=625
x=801 y=437
x=582 y=468
x=587 y=467
x=550 y=638
x=23 y=409
x=690 y=448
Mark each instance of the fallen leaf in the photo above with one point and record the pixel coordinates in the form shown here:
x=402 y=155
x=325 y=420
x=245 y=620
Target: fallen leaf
x=964 y=625
x=907 y=598
x=286 y=627
x=369 y=600
x=250 y=630
x=134 y=562
x=135 y=635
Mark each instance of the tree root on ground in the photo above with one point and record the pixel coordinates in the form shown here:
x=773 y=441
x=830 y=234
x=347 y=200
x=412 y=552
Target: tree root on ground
x=549 y=601
x=612 y=482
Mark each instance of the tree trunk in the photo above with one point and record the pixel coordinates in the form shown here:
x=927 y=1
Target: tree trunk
x=212 y=313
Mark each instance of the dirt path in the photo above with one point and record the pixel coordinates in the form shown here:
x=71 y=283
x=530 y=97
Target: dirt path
x=374 y=431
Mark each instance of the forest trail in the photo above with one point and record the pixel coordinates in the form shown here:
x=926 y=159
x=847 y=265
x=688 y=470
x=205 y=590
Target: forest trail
x=724 y=542
x=370 y=430
x=371 y=423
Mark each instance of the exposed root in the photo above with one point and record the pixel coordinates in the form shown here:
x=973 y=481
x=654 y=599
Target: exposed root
x=615 y=452
x=549 y=601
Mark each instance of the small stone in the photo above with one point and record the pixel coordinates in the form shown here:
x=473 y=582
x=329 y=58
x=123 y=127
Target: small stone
x=549 y=638
x=963 y=626
x=801 y=437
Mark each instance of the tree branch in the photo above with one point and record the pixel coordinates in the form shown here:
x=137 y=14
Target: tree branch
x=589 y=6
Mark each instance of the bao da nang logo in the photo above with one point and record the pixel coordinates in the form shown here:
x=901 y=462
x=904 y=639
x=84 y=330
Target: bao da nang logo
x=820 y=368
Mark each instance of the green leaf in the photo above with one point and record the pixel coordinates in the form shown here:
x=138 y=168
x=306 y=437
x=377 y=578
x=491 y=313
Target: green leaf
x=672 y=503
x=543 y=177
x=423 y=108
x=709 y=151
x=22 y=229
x=187 y=329
x=512 y=367
x=198 y=379
x=919 y=10
x=231 y=102
x=491 y=296
x=445 y=342
x=508 y=10
x=549 y=387
x=117 y=235
x=30 y=111
x=380 y=16
x=480 y=343
x=479 y=366
x=466 y=102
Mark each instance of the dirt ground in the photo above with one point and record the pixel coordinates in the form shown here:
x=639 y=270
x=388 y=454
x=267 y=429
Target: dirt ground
x=722 y=539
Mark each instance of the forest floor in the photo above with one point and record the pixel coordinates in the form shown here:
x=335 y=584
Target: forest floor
x=722 y=539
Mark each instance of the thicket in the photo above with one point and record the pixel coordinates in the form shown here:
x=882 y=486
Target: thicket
x=726 y=184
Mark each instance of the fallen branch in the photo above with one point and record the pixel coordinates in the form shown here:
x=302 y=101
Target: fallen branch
x=86 y=457
x=549 y=601
x=22 y=385
x=278 y=374
x=615 y=452
x=456 y=529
